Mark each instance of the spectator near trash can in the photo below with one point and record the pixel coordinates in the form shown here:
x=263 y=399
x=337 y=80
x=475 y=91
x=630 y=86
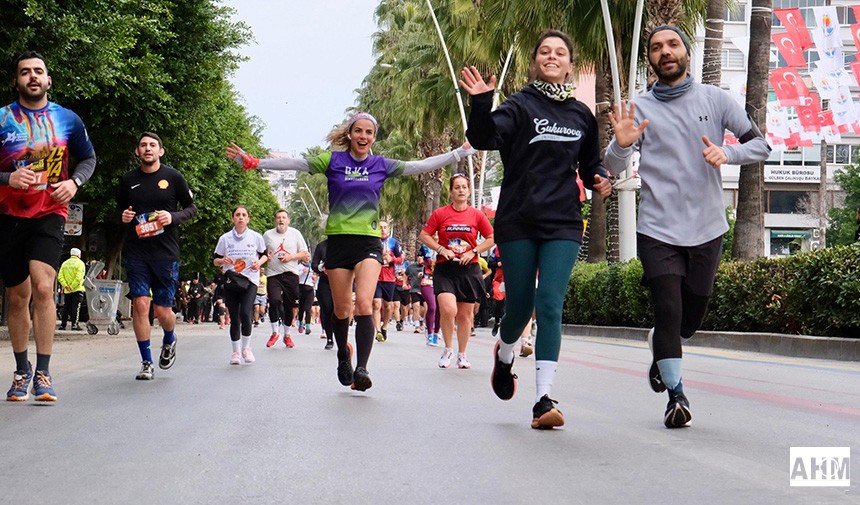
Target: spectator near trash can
x=71 y=278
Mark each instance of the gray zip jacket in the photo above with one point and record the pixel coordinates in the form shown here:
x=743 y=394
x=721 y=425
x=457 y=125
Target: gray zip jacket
x=681 y=200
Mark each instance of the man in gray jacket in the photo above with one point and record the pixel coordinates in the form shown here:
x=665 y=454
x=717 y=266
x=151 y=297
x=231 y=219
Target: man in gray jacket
x=678 y=129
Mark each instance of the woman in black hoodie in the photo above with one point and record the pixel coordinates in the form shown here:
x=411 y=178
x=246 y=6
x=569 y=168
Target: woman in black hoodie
x=543 y=135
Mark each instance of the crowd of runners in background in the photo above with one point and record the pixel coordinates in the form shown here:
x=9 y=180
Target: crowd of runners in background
x=360 y=277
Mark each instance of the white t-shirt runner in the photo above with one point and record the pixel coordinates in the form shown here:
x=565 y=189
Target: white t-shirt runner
x=278 y=244
x=245 y=249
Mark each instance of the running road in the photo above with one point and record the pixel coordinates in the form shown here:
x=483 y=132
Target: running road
x=283 y=430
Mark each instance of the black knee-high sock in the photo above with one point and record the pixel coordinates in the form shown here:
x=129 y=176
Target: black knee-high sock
x=22 y=364
x=667 y=303
x=340 y=328
x=695 y=308
x=364 y=334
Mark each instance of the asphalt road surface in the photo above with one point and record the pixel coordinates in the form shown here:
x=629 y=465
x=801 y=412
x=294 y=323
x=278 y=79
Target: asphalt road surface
x=283 y=430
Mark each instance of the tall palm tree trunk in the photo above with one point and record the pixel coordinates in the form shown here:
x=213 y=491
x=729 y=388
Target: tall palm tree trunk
x=711 y=63
x=749 y=226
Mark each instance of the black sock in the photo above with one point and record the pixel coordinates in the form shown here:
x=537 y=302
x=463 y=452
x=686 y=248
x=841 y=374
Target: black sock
x=364 y=334
x=21 y=362
x=42 y=361
x=340 y=328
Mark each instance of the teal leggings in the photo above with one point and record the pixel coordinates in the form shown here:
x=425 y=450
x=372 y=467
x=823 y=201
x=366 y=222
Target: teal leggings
x=522 y=260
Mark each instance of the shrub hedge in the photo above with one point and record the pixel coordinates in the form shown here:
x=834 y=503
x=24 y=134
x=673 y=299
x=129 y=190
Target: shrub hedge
x=815 y=293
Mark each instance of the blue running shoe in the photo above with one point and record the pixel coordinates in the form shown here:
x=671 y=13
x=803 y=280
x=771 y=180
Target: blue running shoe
x=20 y=385
x=42 y=389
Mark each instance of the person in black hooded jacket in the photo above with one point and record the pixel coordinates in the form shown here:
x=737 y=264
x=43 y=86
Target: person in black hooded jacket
x=544 y=135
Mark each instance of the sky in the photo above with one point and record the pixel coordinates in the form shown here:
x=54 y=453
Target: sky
x=307 y=60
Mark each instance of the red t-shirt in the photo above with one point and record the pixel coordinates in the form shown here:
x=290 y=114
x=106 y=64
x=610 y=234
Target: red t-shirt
x=458 y=230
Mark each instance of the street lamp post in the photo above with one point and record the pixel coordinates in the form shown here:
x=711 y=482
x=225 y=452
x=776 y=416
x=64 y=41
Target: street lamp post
x=306 y=188
x=456 y=92
x=627 y=187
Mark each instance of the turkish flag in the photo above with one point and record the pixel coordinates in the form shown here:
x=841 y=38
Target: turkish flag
x=825 y=118
x=794 y=24
x=790 y=49
x=855 y=69
x=855 y=32
x=788 y=86
x=808 y=114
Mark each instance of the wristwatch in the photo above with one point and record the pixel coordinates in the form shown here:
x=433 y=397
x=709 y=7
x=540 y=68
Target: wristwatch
x=77 y=182
x=475 y=251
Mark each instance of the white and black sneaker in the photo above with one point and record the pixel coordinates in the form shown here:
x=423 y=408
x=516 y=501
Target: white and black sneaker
x=654 y=378
x=168 y=355
x=677 y=411
x=146 y=371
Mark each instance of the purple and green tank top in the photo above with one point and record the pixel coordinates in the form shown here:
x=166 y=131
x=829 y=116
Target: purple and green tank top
x=354 y=189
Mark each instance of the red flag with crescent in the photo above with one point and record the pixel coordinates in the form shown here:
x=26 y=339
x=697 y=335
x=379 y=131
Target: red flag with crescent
x=808 y=114
x=794 y=24
x=855 y=32
x=855 y=69
x=790 y=49
x=788 y=86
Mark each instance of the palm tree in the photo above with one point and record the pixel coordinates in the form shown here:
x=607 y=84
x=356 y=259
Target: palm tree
x=711 y=61
x=749 y=227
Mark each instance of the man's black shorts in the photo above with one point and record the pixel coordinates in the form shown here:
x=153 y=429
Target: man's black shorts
x=26 y=239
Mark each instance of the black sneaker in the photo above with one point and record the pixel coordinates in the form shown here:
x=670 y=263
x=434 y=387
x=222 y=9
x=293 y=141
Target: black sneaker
x=677 y=411
x=329 y=344
x=544 y=414
x=399 y=325
x=77 y=328
x=495 y=329
x=384 y=335
x=361 y=379
x=345 y=373
x=504 y=382
x=654 y=378
x=62 y=328
x=168 y=355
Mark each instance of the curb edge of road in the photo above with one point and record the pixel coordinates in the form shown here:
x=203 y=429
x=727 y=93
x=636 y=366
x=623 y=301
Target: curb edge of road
x=799 y=346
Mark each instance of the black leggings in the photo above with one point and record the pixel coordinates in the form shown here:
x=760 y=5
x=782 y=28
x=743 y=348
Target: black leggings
x=677 y=313
x=306 y=300
x=326 y=305
x=241 y=307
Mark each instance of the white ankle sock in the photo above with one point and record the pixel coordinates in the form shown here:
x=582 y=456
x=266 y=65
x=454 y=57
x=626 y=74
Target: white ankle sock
x=246 y=342
x=236 y=345
x=275 y=326
x=544 y=377
x=506 y=352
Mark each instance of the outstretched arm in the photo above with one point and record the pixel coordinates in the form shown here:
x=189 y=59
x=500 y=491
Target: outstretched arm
x=249 y=162
x=438 y=161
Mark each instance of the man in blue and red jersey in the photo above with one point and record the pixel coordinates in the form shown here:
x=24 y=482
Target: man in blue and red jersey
x=383 y=300
x=45 y=156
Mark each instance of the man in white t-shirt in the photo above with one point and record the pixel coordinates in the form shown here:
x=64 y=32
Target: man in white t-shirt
x=286 y=248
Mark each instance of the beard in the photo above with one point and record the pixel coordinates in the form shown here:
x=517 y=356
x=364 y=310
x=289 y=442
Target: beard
x=679 y=72
x=33 y=96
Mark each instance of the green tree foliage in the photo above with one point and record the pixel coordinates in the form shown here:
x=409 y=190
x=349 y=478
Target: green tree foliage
x=127 y=66
x=842 y=220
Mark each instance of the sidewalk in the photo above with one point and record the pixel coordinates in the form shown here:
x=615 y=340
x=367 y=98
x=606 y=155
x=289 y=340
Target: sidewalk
x=801 y=346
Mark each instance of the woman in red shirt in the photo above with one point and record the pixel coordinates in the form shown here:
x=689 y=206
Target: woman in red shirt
x=457 y=280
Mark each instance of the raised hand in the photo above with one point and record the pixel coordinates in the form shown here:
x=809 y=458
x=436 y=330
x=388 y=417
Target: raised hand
x=714 y=154
x=243 y=159
x=474 y=84
x=622 y=120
